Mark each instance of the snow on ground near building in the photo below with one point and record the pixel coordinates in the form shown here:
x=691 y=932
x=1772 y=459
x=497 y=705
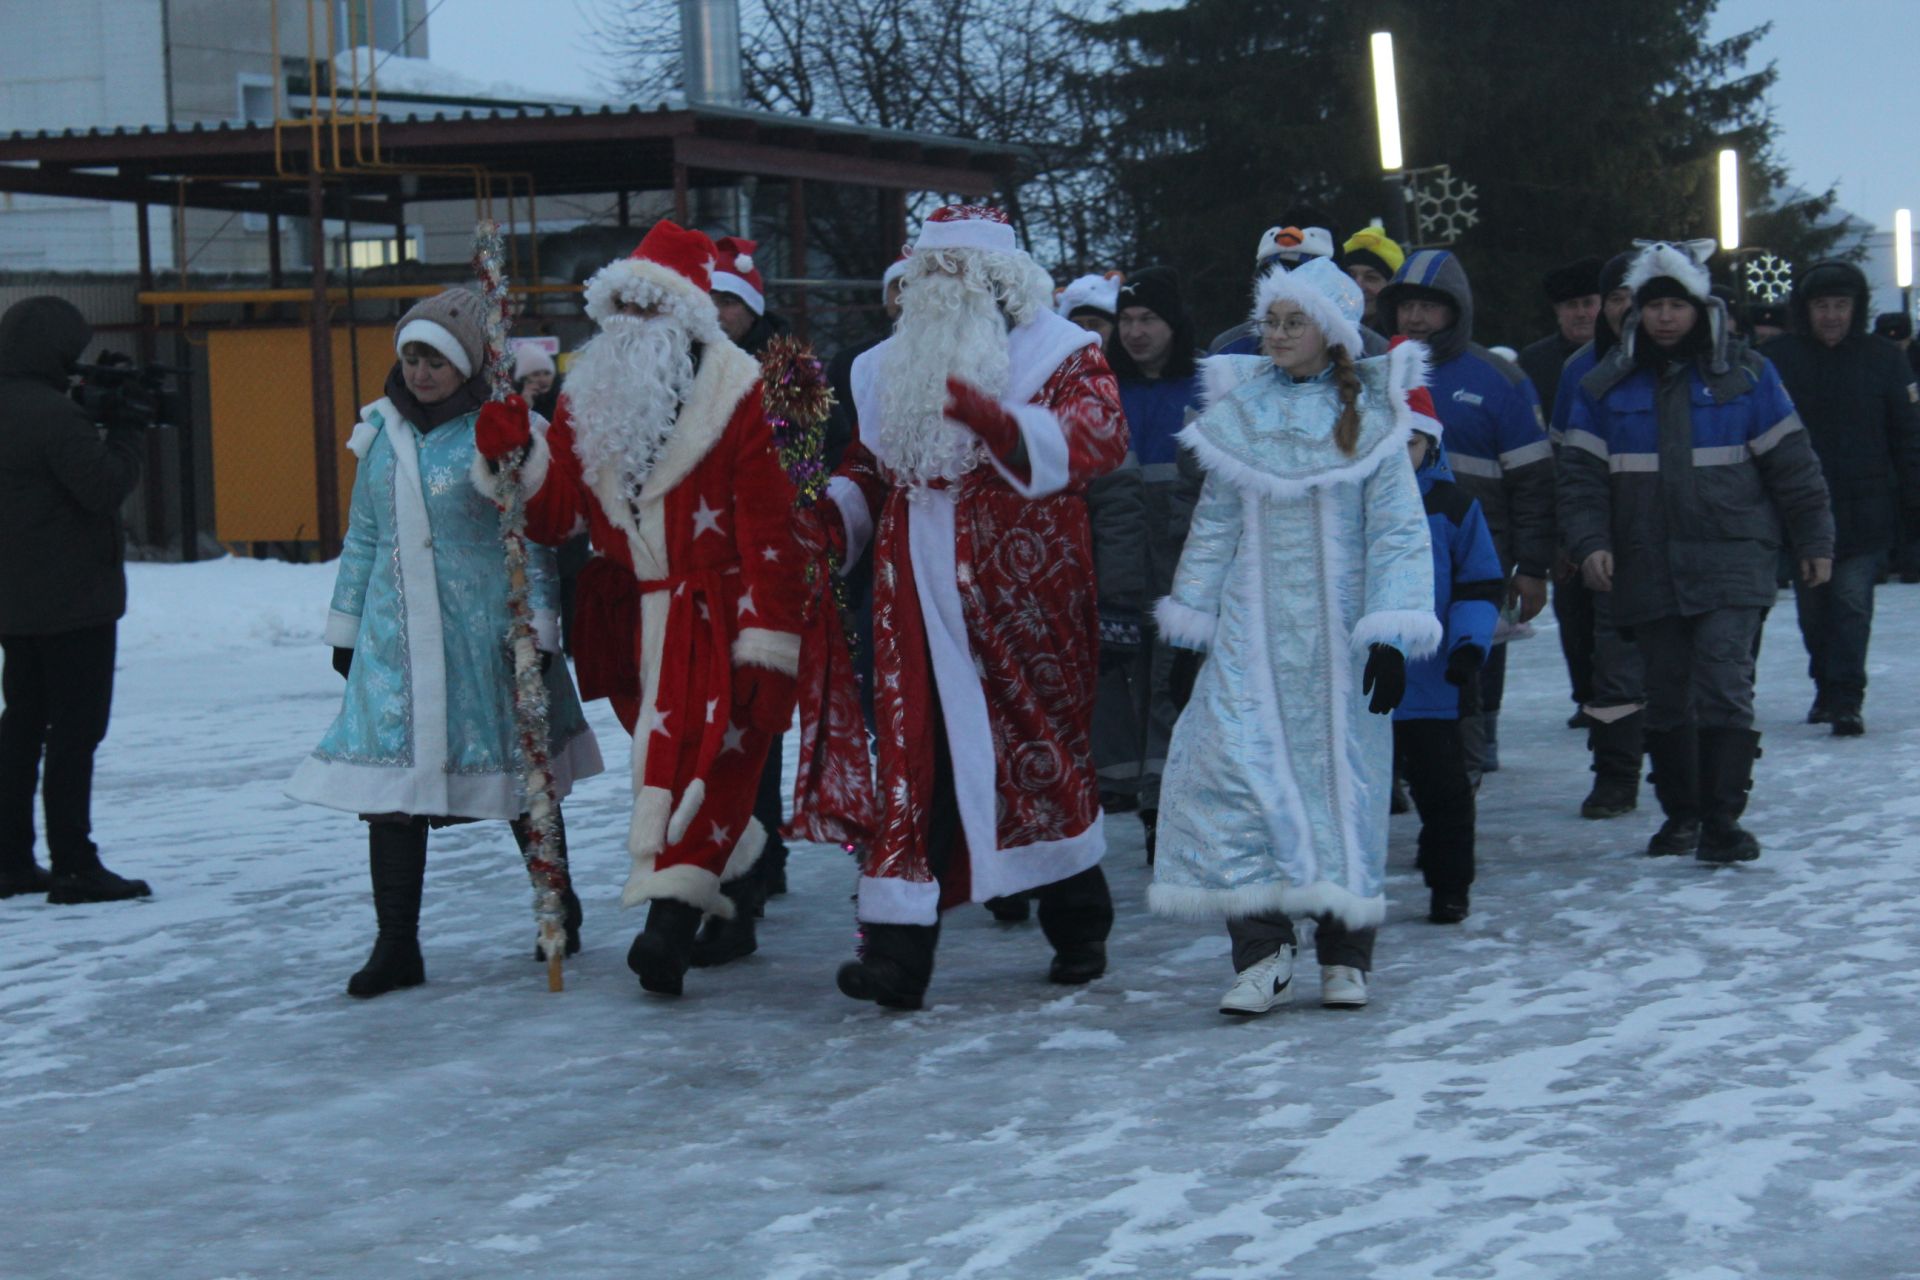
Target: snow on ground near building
x=1617 y=1068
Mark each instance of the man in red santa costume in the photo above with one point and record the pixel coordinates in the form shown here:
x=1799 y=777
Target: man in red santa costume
x=660 y=451
x=981 y=420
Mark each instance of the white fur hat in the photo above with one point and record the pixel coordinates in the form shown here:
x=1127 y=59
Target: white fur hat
x=1326 y=293
x=1684 y=261
x=529 y=358
x=1090 y=292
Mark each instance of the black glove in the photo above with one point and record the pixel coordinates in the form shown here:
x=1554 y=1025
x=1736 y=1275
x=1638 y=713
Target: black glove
x=1463 y=672
x=342 y=660
x=1186 y=669
x=1385 y=678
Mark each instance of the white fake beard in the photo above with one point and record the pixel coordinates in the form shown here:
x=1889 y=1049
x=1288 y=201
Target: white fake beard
x=624 y=393
x=949 y=327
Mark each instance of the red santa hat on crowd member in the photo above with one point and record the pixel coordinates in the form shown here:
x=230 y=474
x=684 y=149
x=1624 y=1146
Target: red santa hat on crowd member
x=673 y=264
x=738 y=274
x=1409 y=370
x=967 y=226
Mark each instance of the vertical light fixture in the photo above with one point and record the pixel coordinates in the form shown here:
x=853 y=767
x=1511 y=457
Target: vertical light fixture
x=1903 y=248
x=1729 y=199
x=1386 y=100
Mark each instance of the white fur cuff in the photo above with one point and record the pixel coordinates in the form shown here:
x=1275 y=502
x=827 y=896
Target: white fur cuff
x=343 y=630
x=1046 y=453
x=1414 y=632
x=774 y=650
x=1184 y=626
x=533 y=472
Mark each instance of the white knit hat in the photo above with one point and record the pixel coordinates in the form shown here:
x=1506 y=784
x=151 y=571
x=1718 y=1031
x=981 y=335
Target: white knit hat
x=529 y=357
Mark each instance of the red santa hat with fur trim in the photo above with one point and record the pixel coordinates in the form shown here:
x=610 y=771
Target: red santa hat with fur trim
x=738 y=274
x=671 y=270
x=967 y=226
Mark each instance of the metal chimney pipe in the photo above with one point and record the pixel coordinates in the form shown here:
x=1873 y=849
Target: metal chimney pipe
x=710 y=52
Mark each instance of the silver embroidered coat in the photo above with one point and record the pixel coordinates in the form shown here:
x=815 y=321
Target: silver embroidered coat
x=1300 y=557
x=426 y=725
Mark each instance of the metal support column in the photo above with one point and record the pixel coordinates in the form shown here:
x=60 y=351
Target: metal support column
x=326 y=476
x=797 y=253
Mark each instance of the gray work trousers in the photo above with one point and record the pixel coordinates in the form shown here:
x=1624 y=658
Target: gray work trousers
x=1700 y=669
x=1257 y=937
x=1619 y=676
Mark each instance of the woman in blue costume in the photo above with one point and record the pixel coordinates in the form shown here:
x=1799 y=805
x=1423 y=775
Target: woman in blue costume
x=425 y=736
x=1307 y=578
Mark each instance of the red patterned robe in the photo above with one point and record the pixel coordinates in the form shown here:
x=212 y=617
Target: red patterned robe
x=984 y=606
x=710 y=539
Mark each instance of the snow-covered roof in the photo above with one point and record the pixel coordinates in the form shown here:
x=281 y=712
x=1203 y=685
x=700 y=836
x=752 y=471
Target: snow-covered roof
x=419 y=78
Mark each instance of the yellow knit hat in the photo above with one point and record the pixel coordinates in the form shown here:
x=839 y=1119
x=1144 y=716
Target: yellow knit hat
x=1372 y=243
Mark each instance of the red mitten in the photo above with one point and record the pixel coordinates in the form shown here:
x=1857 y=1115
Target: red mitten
x=986 y=417
x=768 y=697
x=504 y=428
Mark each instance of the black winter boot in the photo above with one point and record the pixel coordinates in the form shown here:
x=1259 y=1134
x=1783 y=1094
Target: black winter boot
x=28 y=877
x=1150 y=819
x=80 y=877
x=1726 y=776
x=723 y=940
x=1010 y=910
x=1076 y=914
x=661 y=952
x=569 y=901
x=1616 y=751
x=773 y=869
x=1675 y=756
x=894 y=967
x=397 y=861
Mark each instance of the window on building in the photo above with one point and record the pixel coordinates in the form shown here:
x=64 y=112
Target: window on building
x=365 y=254
x=371 y=24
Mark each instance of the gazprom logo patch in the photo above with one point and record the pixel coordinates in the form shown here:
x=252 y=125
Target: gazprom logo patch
x=1464 y=396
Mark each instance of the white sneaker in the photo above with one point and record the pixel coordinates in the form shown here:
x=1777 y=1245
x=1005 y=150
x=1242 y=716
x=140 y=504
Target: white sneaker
x=1343 y=987
x=1261 y=987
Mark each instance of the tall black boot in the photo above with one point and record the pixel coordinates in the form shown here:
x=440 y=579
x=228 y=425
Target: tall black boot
x=397 y=859
x=894 y=968
x=1150 y=820
x=1076 y=914
x=569 y=901
x=1675 y=756
x=723 y=940
x=1726 y=776
x=1617 y=749
x=661 y=952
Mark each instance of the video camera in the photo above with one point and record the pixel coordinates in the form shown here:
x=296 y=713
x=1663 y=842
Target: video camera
x=117 y=392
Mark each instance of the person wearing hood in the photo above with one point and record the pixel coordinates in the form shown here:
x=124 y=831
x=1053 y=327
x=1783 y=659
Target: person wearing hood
x=1153 y=358
x=1684 y=467
x=1289 y=248
x=1861 y=406
x=1467 y=590
x=1497 y=443
x=1614 y=694
x=1307 y=581
x=425 y=735
x=63 y=591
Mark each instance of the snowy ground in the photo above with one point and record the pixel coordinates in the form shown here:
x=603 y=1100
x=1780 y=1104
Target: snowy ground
x=1617 y=1068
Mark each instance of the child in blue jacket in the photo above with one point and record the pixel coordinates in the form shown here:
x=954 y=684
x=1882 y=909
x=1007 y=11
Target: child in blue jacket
x=1467 y=588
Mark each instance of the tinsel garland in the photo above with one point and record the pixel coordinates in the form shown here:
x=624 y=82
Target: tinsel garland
x=796 y=399
x=546 y=857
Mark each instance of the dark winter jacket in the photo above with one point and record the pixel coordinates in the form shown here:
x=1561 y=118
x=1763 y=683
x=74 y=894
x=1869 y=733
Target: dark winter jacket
x=1542 y=362
x=1467 y=589
x=1495 y=436
x=1861 y=407
x=1156 y=410
x=1687 y=475
x=61 y=484
x=1117 y=516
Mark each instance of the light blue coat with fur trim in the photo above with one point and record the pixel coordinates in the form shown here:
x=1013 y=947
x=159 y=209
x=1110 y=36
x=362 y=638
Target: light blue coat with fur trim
x=1300 y=558
x=426 y=726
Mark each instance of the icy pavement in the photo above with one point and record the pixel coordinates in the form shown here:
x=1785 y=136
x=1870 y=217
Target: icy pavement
x=1616 y=1068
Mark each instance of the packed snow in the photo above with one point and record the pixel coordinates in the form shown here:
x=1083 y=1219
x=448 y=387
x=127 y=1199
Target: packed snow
x=1617 y=1067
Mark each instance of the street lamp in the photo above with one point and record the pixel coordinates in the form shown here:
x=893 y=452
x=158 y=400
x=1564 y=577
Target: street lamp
x=1729 y=199
x=1386 y=106
x=1903 y=256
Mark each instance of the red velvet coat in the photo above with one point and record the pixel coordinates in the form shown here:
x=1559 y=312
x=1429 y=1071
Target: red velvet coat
x=986 y=627
x=709 y=540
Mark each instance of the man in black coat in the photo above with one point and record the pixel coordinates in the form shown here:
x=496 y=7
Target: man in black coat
x=63 y=589
x=1861 y=406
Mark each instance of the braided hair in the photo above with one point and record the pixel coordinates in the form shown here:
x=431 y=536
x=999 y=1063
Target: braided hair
x=1346 y=431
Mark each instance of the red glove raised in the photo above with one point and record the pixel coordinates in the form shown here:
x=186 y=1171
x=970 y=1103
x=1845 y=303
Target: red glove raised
x=768 y=697
x=986 y=417
x=504 y=428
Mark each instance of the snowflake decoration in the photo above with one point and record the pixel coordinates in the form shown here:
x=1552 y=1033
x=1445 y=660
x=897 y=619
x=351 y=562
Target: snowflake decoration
x=1443 y=205
x=1767 y=278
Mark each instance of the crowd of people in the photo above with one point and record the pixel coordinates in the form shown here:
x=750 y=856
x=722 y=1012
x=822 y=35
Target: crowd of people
x=1258 y=594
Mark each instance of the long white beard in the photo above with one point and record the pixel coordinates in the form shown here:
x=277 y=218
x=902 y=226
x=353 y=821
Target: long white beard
x=948 y=327
x=624 y=393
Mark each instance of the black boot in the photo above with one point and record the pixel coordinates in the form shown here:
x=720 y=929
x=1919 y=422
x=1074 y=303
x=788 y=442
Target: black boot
x=80 y=877
x=1448 y=906
x=1616 y=751
x=1150 y=819
x=1846 y=718
x=1076 y=914
x=397 y=860
x=894 y=967
x=27 y=877
x=1011 y=910
x=661 y=951
x=722 y=940
x=773 y=869
x=1726 y=776
x=1675 y=756
x=569 y=901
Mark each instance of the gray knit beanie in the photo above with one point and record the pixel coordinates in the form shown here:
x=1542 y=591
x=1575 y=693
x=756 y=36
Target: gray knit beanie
x=453 y=323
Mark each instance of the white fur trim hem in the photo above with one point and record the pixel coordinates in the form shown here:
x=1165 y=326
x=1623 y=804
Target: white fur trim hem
x=695 y=886
x=1187 y=902
x=1184 y=625
x=774 y=650
x=440 y=338
x=343 y=630
x=367 y=788
x=1414 y=632
x=888 y=900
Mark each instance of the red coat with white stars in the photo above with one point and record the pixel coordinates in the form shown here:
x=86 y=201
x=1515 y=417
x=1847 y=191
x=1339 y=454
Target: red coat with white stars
x=990 y=635
x=710 y=539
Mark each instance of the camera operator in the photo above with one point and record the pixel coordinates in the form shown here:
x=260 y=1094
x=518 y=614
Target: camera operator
x=63 y=589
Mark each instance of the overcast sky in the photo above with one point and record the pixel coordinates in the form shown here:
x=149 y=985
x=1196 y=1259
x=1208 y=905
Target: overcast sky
x=1848 y=101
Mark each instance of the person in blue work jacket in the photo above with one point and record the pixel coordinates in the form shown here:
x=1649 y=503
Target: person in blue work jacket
x=1497 y=444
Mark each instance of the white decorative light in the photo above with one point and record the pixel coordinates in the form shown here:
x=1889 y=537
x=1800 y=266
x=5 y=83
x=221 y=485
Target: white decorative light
x=1903 y=248
x=1386 y=100
x=1729 y=200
